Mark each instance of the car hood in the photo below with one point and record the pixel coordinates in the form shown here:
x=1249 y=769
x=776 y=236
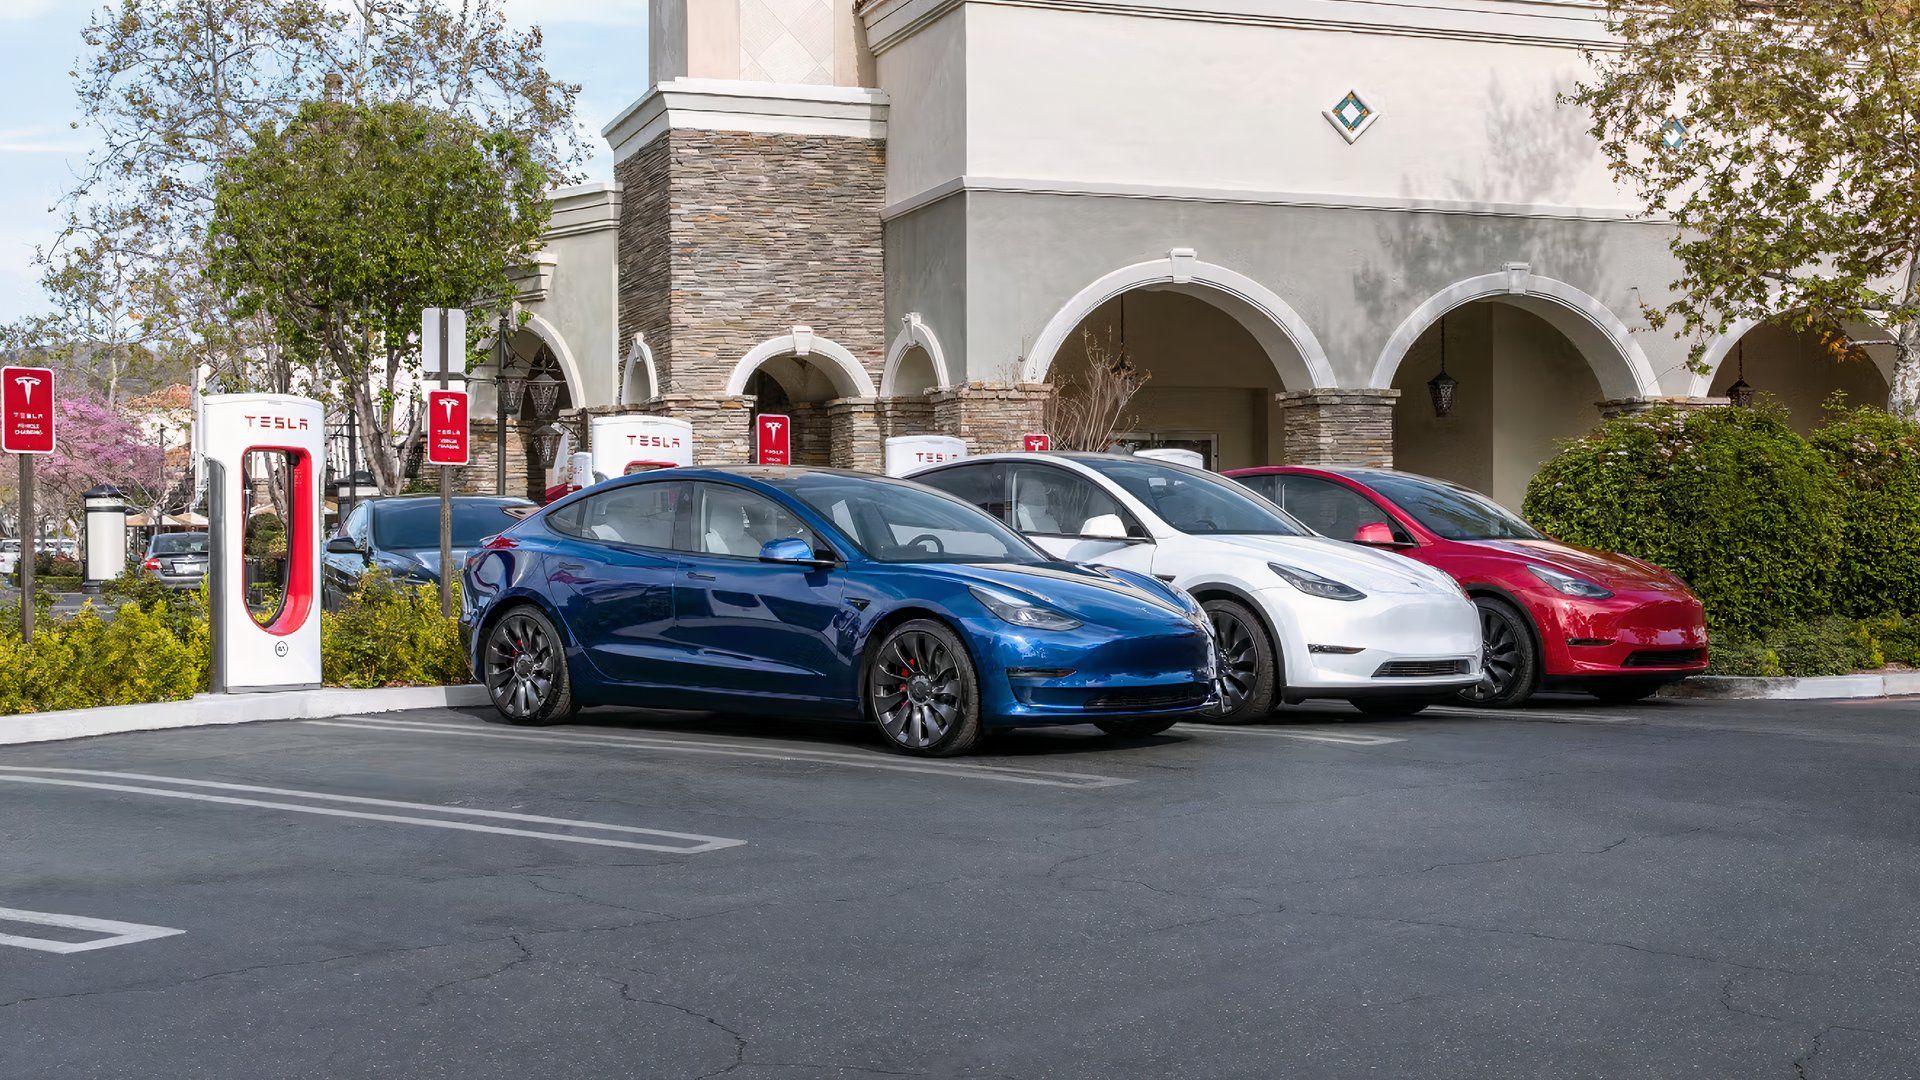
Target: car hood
x=1085 y=592
x=1364 y=568
x=1606 y=568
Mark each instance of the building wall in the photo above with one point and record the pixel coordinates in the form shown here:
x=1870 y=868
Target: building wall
x=1798 y=371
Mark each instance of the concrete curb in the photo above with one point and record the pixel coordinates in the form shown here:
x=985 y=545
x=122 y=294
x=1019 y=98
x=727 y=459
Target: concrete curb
x=209 y=709
x=1818 y=688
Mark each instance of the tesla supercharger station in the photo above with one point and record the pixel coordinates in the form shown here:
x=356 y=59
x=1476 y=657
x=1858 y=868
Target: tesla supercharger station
x=1190 y=458
x=908 y=454
x=630 y=444
x=283 y=653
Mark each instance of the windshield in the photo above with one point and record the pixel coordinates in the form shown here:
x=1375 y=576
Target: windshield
x=906 y=523
x=193 y=543
x=416 y=523
x=1195 y=502
x=1449 y=511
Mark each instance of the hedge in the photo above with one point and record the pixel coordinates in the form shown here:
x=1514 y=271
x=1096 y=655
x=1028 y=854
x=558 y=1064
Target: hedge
x=1732 y=500
x=388 y=634
x=1876 y=458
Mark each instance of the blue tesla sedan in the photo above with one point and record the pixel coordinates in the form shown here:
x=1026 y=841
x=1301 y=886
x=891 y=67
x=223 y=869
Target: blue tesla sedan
x=820 y=593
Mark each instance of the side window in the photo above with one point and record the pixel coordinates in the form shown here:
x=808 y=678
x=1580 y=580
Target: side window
x=1328 y=508
x=1054 y=502
x=736 y=522
x=642 y=515
x=360 y=524
x=984 y=485
x=1267 y=487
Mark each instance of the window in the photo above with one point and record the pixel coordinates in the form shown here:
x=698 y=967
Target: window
x=735 y=522
x=642 y=515
x=984 y=485
x=1050 y=501
x=188 y=543
x=1330 y=509
x=1450 y=510
x=894 y=521
x=1195 y=502
x=415 y=523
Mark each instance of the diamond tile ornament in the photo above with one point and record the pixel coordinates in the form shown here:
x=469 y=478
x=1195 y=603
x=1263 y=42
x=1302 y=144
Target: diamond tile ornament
x=1351 y=116
x=1673 y=133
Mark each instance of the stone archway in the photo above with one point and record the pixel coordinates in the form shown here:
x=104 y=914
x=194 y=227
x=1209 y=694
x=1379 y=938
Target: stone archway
x=823 y=387
x=1797 y=368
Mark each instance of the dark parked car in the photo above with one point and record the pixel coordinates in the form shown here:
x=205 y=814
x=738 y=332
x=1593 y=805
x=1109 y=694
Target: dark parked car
x=178 y=559
x=402 y=536
x=816 y=593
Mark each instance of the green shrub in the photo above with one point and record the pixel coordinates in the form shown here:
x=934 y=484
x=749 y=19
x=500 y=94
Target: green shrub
x=1876 y=457
x=49 y=566
x=388 y=634
x=82 y=661
x=1732 y=500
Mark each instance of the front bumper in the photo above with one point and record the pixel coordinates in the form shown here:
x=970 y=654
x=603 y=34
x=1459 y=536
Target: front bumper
x=1631 y=635
x=1073 y=677
x=1404 y=644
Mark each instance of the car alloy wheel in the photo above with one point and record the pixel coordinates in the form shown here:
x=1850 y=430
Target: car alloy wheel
x=1246 y=674
x=920 y=689
x=1507 y=657
x=525 y=671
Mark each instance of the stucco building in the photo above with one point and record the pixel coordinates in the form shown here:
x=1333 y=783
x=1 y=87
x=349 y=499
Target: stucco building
x=905 y=216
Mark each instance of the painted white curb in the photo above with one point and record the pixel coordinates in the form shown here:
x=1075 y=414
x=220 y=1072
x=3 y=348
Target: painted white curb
x=1817 y=688
x=209 y=709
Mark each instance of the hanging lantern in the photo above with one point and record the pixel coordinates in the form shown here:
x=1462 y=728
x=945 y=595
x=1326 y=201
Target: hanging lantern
x=513 y=390
x=546 y=398
x=1740 y=393
x=1442 y=386
x=546 y=446
x=415 y=454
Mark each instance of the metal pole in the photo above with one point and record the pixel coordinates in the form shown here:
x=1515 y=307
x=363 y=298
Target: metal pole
x=26 y=547
x=499 y=409
x=353 y=456
x=446 y=490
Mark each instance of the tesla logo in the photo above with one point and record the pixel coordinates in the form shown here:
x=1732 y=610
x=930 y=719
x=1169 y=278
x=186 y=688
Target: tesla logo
x=277 y=423
x=773 y=442
x=26 y=383
x=26 y=416
x=446 y=435
x=662 y=441
x=447 y=405
x=933 y=456
x=773 y=428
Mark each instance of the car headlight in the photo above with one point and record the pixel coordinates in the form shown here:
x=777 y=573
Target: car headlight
x=1570 y=585
x=1314 y=585
x=1020 y=612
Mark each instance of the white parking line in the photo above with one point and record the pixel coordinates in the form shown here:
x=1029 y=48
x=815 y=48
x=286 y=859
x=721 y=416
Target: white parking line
x=1002 y=773
x=118 y=933
x=696 y=842
x=1336 y=738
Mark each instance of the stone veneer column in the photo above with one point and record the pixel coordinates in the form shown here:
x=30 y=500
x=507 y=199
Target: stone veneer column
x=907 y=416
x=811 y=440
x=722 y=425
x=1628 y=406
x=991 y=417
x=856 y=434
x=1337 y=427
x=477 y=477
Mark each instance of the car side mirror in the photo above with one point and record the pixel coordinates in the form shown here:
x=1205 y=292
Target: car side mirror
x=344 y=545
x=1376 y=534
x=1104 y=527
x=792 y=550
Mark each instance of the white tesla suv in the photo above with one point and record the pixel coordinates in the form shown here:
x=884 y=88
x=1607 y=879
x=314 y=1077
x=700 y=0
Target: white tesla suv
x=1296 y=615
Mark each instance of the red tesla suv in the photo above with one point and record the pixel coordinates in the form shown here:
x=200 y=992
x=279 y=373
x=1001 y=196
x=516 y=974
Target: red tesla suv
x=1555 y=617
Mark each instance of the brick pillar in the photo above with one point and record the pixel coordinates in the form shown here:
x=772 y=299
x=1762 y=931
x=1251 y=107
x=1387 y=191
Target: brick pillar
x=907 y=416
x=477 y=477
x=855 y=424
x=991 y=417
x=1628 y=406
x=812 y=442
x=722 y=424
x=1337 y=427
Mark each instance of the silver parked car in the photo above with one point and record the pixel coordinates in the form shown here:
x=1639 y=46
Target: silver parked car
x=178 y=559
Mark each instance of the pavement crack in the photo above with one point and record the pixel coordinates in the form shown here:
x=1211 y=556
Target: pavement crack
x=739 y=1040
x=526 y=954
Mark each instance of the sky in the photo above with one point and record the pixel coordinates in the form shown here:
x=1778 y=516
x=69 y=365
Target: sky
x=600 y=44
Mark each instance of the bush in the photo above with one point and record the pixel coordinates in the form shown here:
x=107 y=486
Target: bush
x=49 y=566
x=1876 y=458
x=388 y=634
x=83 y=661
x=1732 y=500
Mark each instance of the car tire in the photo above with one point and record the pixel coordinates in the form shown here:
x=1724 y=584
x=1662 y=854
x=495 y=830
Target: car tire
x=1391 y=706
x=1511 y=658
x=1624 y=691
x=921 y=691
x=524 y=667
x=1249 y=662
x=1136 y=728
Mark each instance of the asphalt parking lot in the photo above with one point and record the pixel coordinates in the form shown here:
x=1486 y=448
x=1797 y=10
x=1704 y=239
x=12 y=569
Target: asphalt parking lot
x=1667 y=889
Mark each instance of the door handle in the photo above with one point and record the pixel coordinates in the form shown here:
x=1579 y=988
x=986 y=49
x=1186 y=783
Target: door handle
x=696 y=575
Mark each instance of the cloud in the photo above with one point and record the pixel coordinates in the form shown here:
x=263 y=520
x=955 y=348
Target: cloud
x=41 y=141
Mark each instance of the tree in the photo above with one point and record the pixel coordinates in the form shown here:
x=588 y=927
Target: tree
x=171 y=88
x=343 y=224
x=1089 y=409
x=96 y=445
x=1782 y=138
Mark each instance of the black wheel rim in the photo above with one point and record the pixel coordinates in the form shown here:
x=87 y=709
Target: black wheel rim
x=521 y=662
x=1500 y=656
x=916 y=689
x=1239 y=660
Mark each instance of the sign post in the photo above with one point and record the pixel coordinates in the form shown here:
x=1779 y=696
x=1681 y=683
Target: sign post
x=1036 y=443
x=26 y=429
x=440 y=330
x=773 y=439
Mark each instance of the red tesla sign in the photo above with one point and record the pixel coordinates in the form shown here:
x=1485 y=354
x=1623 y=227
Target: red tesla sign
x=447 y=442
x=26 y=410
x=1036 y=444
x=773 y=439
